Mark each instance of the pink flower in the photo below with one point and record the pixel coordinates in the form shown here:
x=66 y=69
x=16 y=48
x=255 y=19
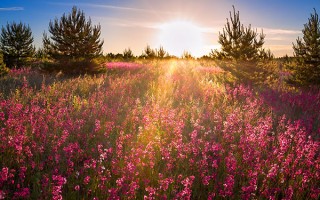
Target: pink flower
x=58 y=182
x=164 y=184
x=22 y=193
x=97 y=125
x=22 y=172
x=206 y=180
x=2 y=195
x=4 y=174
x=273 y=171
x=86 y=180
x=228 y=186
x=77 y=187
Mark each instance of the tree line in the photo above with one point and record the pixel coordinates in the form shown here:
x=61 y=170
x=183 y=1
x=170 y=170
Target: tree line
x=74 y=41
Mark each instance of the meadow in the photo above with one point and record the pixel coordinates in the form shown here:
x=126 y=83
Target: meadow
x=172 y=129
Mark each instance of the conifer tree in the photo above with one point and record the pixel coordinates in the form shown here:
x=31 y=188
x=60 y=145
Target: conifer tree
x=238 y=42
x=161 y=53
x=127 y=54
x=186 y=55
x=149 y=53
x=73 y=38
x=16 y=44
x=307 y=51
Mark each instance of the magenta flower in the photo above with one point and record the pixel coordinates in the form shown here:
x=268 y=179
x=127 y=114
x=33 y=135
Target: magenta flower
x=22 y=193
x=86 y=180
x=4 y=174
x=77 y=188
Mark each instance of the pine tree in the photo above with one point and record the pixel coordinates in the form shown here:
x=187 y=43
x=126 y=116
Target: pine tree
x=73 y=38
x=16 y=44
x=307 y=51
x=149 y=53
x=238 y=42
x=186 y=55
x=161 y=53
x=127 y=54
x=266 y=55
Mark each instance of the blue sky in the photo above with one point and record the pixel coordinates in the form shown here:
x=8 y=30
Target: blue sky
x=135 y=23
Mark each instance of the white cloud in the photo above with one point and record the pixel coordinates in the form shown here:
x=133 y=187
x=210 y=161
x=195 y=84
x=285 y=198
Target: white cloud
x=280 y=31
x=112 y=7
x=12 y=9
x=124 y=22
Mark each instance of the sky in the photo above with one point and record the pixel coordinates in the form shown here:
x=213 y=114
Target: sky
x=177 y=25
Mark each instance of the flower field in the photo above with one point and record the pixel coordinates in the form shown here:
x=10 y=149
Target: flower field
x=157 y=130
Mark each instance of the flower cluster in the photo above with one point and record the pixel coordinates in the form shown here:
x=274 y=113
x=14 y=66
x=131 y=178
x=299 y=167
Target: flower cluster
x=165 y=132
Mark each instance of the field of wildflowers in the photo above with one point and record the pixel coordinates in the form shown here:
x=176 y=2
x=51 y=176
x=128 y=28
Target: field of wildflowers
x=158 y=130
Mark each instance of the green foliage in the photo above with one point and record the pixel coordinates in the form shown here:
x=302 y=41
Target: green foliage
x=114 y=57
x=16 y=44
x=186 y=55
x=149 y=53
x=41 y=54
x=73 y=38
x=127 y=54
x=73 y=67
x=3 y=68
x=161 y=53
x=266 y=55
x=239 y=42
x=307 y=51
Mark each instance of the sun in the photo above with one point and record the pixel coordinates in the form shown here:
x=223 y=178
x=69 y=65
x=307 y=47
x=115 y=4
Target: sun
x=179 y=36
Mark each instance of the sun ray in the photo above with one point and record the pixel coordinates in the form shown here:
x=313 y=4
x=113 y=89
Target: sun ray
x=179 y=36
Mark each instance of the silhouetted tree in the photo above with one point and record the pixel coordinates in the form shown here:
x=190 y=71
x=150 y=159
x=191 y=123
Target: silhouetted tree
x=161 y=53
x=266 y=55
x=239 y=42
x=127 y=54
x=40 y=54
x=73 y=38
x=113 y=56
x=16 y=44
x=307 y=51
x=186 y=55
x=205 y=57
x=110 y=55
x=149 y=53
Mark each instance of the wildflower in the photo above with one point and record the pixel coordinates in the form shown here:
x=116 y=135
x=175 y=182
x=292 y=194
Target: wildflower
x=97 y=125
x=77 y=188
x=4 y=174
x=86 y=180
x=22 y=193
x=2 y=195
x=205 y=180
